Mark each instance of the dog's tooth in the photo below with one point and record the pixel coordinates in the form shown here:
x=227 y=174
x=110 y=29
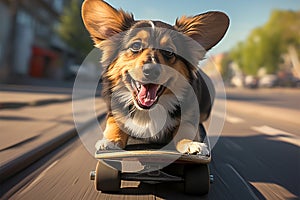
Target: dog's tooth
x=158 y=88
x=132 y=84
x=138 y=85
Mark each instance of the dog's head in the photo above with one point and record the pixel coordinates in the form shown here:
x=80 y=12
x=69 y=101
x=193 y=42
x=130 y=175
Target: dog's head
x=135 y=53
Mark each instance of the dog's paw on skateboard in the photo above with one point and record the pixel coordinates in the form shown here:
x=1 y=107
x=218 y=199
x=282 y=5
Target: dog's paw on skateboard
x=191 y=147
x=105 y=144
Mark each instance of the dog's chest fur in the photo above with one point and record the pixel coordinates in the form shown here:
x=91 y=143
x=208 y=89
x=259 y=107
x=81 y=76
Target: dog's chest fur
x=144 y=124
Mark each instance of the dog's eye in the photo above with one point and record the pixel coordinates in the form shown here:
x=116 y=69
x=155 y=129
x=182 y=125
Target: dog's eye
x=168 y=53
x=136 y=47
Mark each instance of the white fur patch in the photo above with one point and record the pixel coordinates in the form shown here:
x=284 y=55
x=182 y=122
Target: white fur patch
x=150 y=124
x=196 y=148
x=105 y=144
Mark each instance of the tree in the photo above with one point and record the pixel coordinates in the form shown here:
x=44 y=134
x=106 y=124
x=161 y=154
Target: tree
x=225 y=69
x=265 y=45
x=72 y=30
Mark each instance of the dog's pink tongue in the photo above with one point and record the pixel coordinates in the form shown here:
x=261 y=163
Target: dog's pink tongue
x=147 y=94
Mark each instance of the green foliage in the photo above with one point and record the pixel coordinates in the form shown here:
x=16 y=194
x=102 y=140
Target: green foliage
x=265 y=45
x=225 y=70
x=72 y=30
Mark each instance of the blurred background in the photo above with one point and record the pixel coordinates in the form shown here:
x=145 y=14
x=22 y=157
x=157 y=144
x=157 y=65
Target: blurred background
x=41 y=39
x=47 y=40
x=42 y=46
x=268 y=57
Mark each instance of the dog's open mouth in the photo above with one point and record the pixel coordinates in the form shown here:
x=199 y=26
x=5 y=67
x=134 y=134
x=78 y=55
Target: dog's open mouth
x=146 y=94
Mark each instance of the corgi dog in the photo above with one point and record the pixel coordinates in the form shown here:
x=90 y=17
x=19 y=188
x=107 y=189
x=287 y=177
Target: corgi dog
x=152 y=85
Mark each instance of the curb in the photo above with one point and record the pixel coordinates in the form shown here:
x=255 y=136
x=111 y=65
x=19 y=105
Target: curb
x=11 y=168
x=17 y=105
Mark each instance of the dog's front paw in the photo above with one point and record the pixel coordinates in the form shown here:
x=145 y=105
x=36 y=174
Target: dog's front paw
x=191 y=147
x=105 y=144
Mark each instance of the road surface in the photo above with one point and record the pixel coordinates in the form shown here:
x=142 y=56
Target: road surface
x=256 y=157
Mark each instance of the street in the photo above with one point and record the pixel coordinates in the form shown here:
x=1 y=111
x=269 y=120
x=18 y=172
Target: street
x=57 y=57
x=256 y=157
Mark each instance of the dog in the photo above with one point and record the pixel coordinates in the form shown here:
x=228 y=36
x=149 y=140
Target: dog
x=144 y=62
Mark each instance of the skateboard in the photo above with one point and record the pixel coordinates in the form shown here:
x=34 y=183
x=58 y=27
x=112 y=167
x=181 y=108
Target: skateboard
x=154 y=165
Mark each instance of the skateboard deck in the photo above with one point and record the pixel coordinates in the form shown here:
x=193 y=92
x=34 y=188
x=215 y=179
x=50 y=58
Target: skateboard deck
x=157 y=165
x=152 y=156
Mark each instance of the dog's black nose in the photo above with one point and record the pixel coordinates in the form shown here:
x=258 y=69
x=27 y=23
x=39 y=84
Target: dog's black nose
x=151 y=71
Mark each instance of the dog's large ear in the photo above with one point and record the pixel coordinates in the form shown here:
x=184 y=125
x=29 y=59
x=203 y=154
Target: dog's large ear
x=207 y=28
x=103 y=21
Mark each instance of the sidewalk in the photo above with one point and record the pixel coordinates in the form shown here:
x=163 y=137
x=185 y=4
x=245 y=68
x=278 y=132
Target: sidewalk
x=277 y=103
x=283 y=114
x=32 y=121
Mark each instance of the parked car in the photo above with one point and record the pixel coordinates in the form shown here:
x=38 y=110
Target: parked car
x=296 y=83
x=268 y=81
x=288 y=80
x=251 y=81
x=237 y=81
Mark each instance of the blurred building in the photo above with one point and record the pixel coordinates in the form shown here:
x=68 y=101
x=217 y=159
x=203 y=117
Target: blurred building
x=217 y=60
x=214 y=62
x=28 y=29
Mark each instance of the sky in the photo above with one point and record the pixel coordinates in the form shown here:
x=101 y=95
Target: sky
x=244 y=15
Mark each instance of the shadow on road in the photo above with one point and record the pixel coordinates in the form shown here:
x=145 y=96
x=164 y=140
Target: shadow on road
x=18 y=105
x=269 y=167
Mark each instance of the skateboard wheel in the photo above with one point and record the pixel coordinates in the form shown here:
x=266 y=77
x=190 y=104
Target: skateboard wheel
x=108 y=176
x=196 y=179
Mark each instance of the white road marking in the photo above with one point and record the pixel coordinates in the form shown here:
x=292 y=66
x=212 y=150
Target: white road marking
x=243 y=181
x=278 y=134
x=229 y=118
x=33 y=183
x=234 y=120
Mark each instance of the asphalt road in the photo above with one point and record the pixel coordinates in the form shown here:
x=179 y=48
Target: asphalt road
x=255 y=158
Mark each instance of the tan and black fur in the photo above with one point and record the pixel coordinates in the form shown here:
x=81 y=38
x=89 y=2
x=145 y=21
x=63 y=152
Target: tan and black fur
x=135 y=80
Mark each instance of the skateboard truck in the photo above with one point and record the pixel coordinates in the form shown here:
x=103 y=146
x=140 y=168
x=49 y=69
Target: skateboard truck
x=92 y=175
x=166 y=176
x=156 y=175
x=211 y=178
